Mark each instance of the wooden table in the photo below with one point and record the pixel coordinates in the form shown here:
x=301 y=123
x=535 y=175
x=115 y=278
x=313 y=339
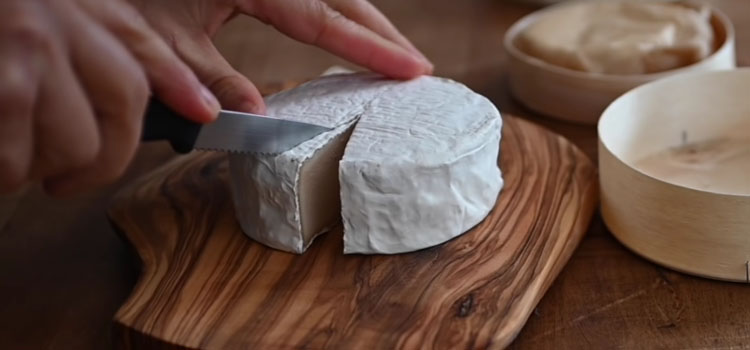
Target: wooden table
x=64 y=272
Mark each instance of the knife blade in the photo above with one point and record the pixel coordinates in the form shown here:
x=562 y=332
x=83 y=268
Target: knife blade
x=230 y=132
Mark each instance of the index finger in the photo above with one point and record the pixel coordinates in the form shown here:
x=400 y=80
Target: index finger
x=170 y=78
x=314 y=22
x=366 y=14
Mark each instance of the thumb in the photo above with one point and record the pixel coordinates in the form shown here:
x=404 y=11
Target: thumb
x=233 y=90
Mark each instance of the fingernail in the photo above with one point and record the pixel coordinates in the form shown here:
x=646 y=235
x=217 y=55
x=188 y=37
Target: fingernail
x=251 y=107
x=428 y=66
x=422 y=57
x=210 y=100
x=418 y=54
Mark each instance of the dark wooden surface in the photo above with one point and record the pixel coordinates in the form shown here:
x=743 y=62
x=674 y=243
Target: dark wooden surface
x=205 y=285
x=64 y=272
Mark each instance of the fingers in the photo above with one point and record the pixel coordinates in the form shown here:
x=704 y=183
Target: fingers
x=122 y=39
x=19 y=74
x=188 y=31
x=364 y=13
x=314 y=22
x=118 y=97
x=234 y=91
x=171 y=80
x=76 y=123
x=65 y=129
x=50 y=127
x=189 y=36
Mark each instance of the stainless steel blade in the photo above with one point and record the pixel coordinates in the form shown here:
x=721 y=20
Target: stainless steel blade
x=250 y=133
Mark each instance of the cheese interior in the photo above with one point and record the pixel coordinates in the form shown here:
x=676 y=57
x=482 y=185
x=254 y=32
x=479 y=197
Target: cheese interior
x=319 y=199
x=620 y=37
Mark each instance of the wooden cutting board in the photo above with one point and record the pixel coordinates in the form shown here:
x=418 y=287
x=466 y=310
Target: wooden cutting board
x=205 y=285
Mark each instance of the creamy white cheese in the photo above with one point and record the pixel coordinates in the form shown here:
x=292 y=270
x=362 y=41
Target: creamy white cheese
x=621 y=37
x=419 y=168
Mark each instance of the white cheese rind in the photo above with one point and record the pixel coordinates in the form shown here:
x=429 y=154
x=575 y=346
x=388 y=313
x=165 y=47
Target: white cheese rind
x=266 y=194
x=266 y=187
x=420 y=167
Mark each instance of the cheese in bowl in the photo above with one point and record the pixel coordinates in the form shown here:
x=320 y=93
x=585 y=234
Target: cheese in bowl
x=621 y=37
x=570 y=61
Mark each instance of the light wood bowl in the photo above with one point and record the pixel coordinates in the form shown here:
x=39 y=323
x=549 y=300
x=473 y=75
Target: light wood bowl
x=581 y=97
x=701 y=227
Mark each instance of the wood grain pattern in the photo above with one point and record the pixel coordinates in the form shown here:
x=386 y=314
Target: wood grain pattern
x=675 y=186
x=64 y=272
x=205 y=285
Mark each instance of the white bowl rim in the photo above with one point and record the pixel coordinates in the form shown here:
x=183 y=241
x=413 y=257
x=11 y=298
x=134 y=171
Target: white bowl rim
x=653 y=85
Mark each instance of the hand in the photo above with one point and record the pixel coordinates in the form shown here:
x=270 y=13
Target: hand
x=352 y=29
x=74 y=83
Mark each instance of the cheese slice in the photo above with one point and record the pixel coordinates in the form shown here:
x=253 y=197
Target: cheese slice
x=408 y=165
x=623 y=37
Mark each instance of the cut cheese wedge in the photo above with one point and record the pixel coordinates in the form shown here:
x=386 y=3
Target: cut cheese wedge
x=408 y=165
x=620 y=37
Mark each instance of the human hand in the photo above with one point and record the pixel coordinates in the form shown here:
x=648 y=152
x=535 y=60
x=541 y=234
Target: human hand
x=352 y=29
x=74 y=83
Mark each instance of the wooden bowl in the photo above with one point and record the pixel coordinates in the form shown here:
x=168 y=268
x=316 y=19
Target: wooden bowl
x=581 y=97
x=674 y=165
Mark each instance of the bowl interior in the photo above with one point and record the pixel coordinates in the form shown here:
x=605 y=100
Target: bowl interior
x=690 y=130
x=721 y=25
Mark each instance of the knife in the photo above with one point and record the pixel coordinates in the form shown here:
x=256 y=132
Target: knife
x=230 y=132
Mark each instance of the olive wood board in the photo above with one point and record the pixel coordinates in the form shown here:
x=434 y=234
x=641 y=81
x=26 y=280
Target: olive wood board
x=205 y=285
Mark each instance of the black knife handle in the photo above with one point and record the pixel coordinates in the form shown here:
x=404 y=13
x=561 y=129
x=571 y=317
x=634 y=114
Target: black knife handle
x=162 y=123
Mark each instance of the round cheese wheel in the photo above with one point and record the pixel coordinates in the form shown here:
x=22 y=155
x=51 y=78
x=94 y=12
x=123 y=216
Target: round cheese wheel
x=408 y=165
